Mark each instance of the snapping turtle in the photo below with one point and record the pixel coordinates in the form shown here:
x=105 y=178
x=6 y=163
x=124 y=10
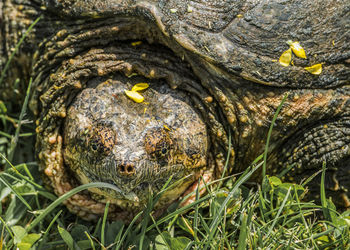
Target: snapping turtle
x=214 y=76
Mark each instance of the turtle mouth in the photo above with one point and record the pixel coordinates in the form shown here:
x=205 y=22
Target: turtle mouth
x=147 y=183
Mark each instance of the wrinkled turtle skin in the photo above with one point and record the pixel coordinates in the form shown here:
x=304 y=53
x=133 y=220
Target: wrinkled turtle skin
x=214 y=76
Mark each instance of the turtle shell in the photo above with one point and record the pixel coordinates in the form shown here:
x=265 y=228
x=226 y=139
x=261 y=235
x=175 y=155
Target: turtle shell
x=243 y=38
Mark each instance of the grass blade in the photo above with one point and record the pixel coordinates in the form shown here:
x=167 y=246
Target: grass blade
x=324 y=203
x=244 y=177
x=16 y=49
x=119 y=245
x=3 y=180
x=91 y=241
x=178 y=211
x=278 y=213
x=242 y=240
x=66 y=237
x=227 y=157
x=159 y=232
x=104 y=224
x=65 y=197
x=117 y=238
x=269 y=134
x=19 y=124
x=7 y=227
x=195 y=218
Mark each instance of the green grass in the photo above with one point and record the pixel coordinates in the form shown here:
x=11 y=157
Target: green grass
x=229 y=216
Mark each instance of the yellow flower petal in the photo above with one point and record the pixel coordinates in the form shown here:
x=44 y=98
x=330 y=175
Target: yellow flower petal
x=166 y=127
x=189 y=8
x=136 y=43
x=297 y=49
x=315 y=69
x=135 y=96
x=140 y=86
x=285 y=58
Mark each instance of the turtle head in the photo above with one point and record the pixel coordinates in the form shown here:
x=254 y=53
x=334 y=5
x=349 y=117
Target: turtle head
x=137 y=147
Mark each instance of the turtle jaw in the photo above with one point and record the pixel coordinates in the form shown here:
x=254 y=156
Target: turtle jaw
x=148 y=180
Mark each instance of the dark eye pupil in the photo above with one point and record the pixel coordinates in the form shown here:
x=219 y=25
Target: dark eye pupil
x=164 y=150
x=94 y=146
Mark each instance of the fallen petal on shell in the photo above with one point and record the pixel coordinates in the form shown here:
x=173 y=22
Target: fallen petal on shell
x=315 y=69
x=286 y=57
x=298 y=50
x=140 y=86
x=135 y=96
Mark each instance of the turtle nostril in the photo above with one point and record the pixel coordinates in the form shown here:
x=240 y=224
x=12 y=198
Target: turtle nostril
x=122 y=169
x=126 y=169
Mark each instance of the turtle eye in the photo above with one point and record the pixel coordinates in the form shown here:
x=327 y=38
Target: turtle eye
x=94 y=146
x=157 y=142
x=161 y=150
x=102 y=139
x=164 y=151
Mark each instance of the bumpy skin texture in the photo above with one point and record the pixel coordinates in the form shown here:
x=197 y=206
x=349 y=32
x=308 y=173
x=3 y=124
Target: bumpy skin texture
x=221 y=54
